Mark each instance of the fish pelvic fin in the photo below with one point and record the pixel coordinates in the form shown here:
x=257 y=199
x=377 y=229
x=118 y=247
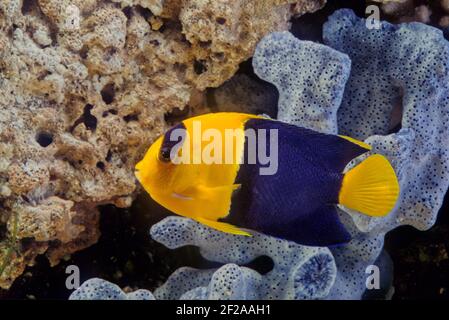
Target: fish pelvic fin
x=222 y=226
x=371 y=187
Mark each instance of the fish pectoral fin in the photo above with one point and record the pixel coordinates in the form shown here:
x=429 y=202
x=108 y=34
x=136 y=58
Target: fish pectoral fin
x=217 y=192
x=223 y=227
x=211 y=202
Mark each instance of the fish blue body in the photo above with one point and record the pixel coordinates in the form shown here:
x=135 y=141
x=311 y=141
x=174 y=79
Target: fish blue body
x=297 y=202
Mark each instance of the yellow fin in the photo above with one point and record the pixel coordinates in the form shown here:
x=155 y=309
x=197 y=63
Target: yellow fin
x=218 y=193
x=222 y=226
x=371 y=187
x=357 y=142
x=200 y=191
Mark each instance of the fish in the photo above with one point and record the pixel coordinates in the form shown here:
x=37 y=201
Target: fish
x=297 y=202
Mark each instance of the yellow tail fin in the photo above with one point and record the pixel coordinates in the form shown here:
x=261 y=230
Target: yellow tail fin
x=371 y=187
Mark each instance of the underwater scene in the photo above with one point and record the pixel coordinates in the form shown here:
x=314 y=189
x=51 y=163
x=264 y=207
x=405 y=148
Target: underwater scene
x=224 y=150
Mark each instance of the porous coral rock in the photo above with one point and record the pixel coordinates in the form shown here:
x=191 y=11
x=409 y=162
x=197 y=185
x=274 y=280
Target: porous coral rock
x=99 y=289
x=51 y=220
x=86 y=86
x=299 y=271
x=401 y=11
x=223 y=33
x=310 y=78
x=155 y=6
x=300 y=8
x=415 y=73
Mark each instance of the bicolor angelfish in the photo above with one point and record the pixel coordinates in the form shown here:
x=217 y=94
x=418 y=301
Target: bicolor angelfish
x=297 y=203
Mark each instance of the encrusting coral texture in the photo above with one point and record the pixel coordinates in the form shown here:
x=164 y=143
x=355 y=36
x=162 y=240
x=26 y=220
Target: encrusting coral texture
x=388 y=87
x=86 y=86
x=400 y=11
x=406 y=10
x=99 y=289
x=298 y=272
x=397 y=70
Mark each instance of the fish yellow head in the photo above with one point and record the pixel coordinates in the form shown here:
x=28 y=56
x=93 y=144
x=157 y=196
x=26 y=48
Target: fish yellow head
x=163 y=178
x=156 y=172
x=151 y=171
x=188 y=188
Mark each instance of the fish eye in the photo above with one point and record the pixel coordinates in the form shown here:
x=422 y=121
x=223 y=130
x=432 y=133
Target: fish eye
x=164 y=155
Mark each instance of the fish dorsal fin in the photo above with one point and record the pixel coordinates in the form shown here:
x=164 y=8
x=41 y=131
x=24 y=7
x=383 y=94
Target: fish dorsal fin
x=371 y=187
x=222 y=226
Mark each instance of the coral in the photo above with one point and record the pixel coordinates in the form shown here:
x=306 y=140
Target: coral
x=410 y=74
x=86 y=86
x=310 y=78
x=98 y=289
x=401 y=11
x=395 y=99
x=298 y=271
x=300 y=8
